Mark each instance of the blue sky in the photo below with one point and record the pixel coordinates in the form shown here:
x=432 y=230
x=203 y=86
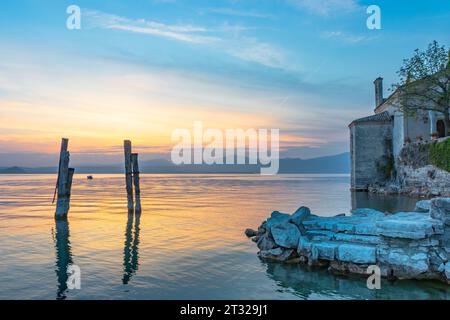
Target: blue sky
x=140 y=69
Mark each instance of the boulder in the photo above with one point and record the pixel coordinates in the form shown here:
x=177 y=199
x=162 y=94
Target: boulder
x=285 y=235
x=405 y=245
x=440 y=209
x=277 y=254
x=304 y=245
x=265 y=243
x=355 y=253
x=423 y=206
x=299 y=216
x=276 y=218
x=251 y=233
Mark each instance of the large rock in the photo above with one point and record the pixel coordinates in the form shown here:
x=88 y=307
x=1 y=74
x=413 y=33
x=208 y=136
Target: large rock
x=285 y=235
x=406 y=264
x=406 y=245
x=357 y=253
x=361 y=222
x=357 y=238
x=408 y=225
x=304 y=245
x=440 y=209
x=423 y=206
x=265 y=243
x=299 y=216
x=276 y=218
x=250 y=233
x=320 y=235
x=277 y=254
x=324 y=251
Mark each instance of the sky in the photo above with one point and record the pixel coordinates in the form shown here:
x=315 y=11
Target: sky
x=141 y=69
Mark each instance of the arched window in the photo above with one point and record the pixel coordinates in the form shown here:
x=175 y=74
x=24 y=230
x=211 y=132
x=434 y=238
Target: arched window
x=440 y=128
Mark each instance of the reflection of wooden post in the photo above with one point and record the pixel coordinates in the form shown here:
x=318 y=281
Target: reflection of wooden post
x=137 y=188
x=64 y=182
x=128 y=173
x=63 y=256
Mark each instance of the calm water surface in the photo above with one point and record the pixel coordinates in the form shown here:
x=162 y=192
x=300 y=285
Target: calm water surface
x=187 y=244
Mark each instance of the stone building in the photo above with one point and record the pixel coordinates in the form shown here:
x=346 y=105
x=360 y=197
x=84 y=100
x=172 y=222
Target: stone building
x=377 y=140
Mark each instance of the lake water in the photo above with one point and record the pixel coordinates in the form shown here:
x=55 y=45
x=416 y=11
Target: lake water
x=187 y=244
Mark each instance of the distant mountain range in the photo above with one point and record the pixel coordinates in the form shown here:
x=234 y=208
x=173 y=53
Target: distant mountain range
x=331 y=164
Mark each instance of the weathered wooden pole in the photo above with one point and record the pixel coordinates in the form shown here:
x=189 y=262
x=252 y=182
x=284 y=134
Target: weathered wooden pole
x=64 y=182
x=128 y=173
x=64 y=147
x=137 y=188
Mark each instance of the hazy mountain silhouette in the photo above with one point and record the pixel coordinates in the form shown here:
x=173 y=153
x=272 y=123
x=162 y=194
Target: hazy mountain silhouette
x=331 y=164
x=12 y=170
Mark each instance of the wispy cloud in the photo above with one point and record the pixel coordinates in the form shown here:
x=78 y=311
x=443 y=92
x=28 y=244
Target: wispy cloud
x=326 y=7
x=261 y=52
x=345 y=37
x=225 y=38
x=186 y=33
x=237 y=13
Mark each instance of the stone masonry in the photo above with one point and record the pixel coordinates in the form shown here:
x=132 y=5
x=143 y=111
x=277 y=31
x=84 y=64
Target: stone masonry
x=405 y=245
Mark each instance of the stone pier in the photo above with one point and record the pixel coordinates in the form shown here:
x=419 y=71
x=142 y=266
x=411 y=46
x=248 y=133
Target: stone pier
x=405 y=245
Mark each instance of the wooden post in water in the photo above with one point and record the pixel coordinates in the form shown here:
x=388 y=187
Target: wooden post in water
x=64 y=182
x=137 y=188
x=128 y=173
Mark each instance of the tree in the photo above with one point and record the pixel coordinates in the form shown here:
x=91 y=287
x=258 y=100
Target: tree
x=425 y=83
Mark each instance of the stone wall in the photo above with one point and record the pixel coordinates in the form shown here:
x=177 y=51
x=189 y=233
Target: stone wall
x=370 y=153
x=405 y=245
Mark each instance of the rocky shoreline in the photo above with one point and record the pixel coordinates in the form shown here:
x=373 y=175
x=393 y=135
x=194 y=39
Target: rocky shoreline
x=405 y=245
x=424 y=182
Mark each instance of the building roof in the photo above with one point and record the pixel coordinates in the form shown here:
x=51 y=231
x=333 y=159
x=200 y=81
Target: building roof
x=386 y=101
x=380 y=117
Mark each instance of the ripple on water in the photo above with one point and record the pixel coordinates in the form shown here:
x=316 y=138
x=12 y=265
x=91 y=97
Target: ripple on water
x=188 y=242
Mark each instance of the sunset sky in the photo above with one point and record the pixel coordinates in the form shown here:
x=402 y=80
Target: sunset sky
x=140 y=69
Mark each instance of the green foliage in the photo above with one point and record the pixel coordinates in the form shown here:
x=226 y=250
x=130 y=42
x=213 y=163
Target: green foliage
x=440 y=154
x=425 y=82
x=424 y=64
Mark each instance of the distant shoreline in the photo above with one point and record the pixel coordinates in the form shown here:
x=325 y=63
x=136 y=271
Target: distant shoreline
x=337 y=164
x=179 y=173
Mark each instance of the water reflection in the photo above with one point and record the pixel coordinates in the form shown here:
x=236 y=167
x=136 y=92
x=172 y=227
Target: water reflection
x=320 y=284
x=131 y=248
x=196 y=227
x=63 y=256
x=383 y=203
